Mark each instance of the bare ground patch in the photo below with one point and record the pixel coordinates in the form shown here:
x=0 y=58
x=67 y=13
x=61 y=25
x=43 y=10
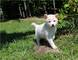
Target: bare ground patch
x=44 y=48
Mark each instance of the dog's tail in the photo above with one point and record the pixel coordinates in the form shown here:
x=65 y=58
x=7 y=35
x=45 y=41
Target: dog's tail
x=34 y=24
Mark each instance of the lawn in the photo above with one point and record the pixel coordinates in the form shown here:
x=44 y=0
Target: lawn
x=17 y=43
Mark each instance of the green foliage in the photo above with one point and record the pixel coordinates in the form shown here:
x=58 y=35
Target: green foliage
x=70 y=6
x=64 y=24
x=70 y=10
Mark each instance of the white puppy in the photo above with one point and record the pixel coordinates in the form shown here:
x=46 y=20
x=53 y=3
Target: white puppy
x=46 y=30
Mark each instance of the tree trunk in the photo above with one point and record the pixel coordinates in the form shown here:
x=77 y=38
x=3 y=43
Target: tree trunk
x=45 y=11
x=23 y=14
x=25 y=7
x=1 y=14
x=20 y=10
x=29 y=10
x=54 y=7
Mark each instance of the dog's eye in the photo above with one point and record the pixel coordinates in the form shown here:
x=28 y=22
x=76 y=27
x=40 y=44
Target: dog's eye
x=49 y=21
x=54 y=20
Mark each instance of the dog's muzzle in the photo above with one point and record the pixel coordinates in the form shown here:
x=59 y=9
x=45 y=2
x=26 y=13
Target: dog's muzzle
x=52 y=25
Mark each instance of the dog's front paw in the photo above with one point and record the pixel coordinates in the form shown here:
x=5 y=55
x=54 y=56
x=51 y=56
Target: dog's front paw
x=56 y=50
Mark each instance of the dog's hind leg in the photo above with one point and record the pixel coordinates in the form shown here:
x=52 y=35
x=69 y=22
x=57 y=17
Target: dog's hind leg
x=38 y=41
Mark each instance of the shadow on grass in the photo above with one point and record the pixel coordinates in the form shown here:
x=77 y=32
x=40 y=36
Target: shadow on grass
x=42 y=42
x=58 y=34
x=10 y=37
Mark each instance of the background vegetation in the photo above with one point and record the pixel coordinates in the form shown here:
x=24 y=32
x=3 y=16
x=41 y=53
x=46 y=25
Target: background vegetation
x=11 y=9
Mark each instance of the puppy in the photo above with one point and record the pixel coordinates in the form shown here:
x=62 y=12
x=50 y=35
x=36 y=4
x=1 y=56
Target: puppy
x=47 y=30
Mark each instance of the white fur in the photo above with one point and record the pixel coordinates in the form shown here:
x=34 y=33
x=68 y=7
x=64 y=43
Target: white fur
x=46 y=30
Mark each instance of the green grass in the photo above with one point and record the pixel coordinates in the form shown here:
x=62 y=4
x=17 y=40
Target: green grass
x=17 y=42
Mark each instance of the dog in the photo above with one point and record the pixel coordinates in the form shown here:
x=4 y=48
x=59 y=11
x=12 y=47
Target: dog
x=47 y=30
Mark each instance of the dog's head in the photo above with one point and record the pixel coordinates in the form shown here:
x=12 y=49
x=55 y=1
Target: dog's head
x=51 y=20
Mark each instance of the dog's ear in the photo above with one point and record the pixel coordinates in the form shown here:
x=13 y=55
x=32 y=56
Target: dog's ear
x=45 y=16
x=56 y=15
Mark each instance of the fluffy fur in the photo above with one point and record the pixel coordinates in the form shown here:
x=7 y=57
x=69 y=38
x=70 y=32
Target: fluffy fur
x=47 y=30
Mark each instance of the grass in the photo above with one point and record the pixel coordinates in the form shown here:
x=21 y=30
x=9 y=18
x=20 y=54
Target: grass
x=16 y=42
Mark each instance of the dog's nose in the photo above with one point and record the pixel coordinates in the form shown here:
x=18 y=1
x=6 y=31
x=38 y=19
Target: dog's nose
x=52 y=25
